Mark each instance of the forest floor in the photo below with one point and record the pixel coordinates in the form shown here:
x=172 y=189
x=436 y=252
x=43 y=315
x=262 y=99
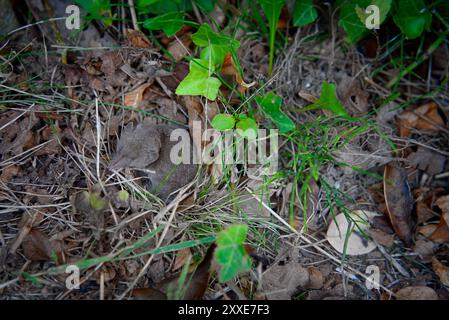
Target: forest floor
x=64 y=104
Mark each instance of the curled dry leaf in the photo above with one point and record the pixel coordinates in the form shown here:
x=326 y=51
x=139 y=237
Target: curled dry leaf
x=416 y=293
x=441 y=233
x=399 y=201
x=425 y=117
x=441 y=271
x=229 y=68
x=357 y=244
x=134 y=98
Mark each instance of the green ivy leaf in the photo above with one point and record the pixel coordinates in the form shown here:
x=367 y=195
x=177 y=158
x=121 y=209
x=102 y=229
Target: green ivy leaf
x=304 y=13
x=412 y=17
x=230 y=253
x=328 y=100
x=170 y=23
x=223 y=122
x=245 y=125
x=216 y=44
x=271 y=106
x=353 y=16
x=198 y=81
x=272 y=10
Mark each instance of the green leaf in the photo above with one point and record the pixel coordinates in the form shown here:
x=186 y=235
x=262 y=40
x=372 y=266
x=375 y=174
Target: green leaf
x=247 y=126
x=304 y=13
x=123 y=195
x=272 y=10
x=96 y=202
x=412 y=17
x=159 y=7
x=328 y=100
x=199 y=82
x=170 y=23
x=217 y=44
x=223 y=122
x=271 y=106
x=230 y=253
x=97 y=9
x=353 y=16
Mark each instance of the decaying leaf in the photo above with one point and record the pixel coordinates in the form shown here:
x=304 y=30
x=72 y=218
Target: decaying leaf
x=182 y=256
x=430 y=162
x=134 y=98
x=425 y=249
x=229 y=68
x=416 y=293
x=381 y=237
x=196 y=281
x=399 y=201
x=9 y=172
x=179 y=48
x=38 y=247
x=425 y=117
x=338 y=231
x=280 y=282
x=316 y=279
x=137 y=39
x=441 y=271
x=441 y=233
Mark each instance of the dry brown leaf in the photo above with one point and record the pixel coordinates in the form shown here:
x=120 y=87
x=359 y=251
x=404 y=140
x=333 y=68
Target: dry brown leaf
x=198 y=284
x=381 y=237
x=427 y=230
x=441 y=233
x=172 y=81
x=306 y=96
x=182 y=256
x=423 y=212
x=352 y=95
x=316 y=279
x=425 y=117
x=229 y=68
x=8 y=173
x=137 y=39
x=280 y=282
x=148 y=294
x=399 y=201
x=430 y=162
x=38 y=247
x=180 y=48
x=134 y=98
x=416 y=293
x=441 y=271
x=424 y=248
